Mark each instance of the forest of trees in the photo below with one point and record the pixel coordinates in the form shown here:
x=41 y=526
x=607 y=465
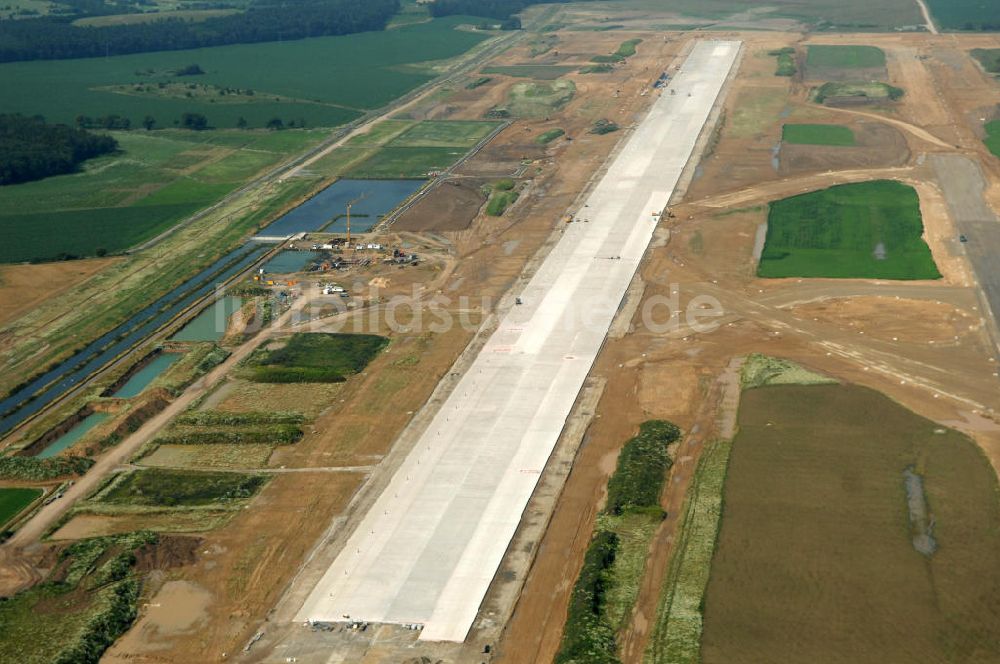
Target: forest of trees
x=500 y=9
x=30 y=149
x=54 y=37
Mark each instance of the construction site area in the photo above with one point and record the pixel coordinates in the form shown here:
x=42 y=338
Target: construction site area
x=481 y=403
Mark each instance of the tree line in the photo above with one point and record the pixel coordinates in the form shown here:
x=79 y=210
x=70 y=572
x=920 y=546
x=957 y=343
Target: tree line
x=55 y=37
x=31 y=149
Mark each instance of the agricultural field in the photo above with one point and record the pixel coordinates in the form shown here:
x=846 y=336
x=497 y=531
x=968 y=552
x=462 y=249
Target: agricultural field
x=540 y=72
x=400 y=149
x=820 y=15
x=817 y=134
x=322 y=82
x=825 y=534
x=845 y=57
x=315 y=358
x=15 y=499
x=965 y=14
x=845 y=63
x=160 y=487
x=870 y=230
x=156 y=179
x=992 y=139
x=989 y=58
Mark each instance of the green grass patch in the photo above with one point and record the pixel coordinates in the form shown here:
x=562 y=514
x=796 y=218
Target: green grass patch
x=588 y=637
x=869 y=230
x=608 y=584
x=215 y=418
x=325 y=81
x=540 y=72
x=992 y=139
x=844 y=57
x=603 y=68
x=156 y=487
x=873 y=91
x=642 y=465
x=270 y=434
x=676 y=634
x=403 y=163
x=989 y=58
x=15 y=499
x=549 y=136
x=34 y=469
x=499 y=202
x=760 y=370
x=625 y=50
x=817 y=134
x=817 y=540
x=538 y=98
x=602 y=127
x=477 y=82
x=316 y=358
x=87 y=601
x=786 y=61
x=444 y=133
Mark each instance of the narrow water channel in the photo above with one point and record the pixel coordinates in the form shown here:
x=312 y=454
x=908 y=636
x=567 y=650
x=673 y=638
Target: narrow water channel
x=52 y=384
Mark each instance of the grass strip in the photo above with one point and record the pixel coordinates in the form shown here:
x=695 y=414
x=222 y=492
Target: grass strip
x=676 y=635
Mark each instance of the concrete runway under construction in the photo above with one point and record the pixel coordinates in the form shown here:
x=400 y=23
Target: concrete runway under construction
x=427 y=551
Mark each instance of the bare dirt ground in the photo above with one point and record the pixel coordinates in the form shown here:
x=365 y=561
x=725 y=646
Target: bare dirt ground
x=24 y=287
x=925 y=344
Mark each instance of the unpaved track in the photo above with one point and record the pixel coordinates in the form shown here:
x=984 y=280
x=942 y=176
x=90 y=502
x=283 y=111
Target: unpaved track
x=928 y=21
x=916 y=131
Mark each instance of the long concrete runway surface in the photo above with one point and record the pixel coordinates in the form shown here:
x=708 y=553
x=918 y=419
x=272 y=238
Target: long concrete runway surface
x=430 y=546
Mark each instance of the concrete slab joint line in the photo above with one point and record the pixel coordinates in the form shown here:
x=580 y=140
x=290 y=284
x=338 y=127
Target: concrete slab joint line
x=428 y=549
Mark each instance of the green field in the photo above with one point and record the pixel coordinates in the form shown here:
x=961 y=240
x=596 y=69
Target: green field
x=325 y=81
x=845 y=57
x=87 y=601
x=13 y=500
x=119 y=200
x=823 y=545
x=817 y=134
x=818 y=15
x=541 y=72
x=989 y=58
x=315 y=358
x=786 y=61
x=549 y=136
x=870 y=230
x=874 y=91
x=406 y=148
x=966 y=14
x=992 y=139
x=158 y=487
